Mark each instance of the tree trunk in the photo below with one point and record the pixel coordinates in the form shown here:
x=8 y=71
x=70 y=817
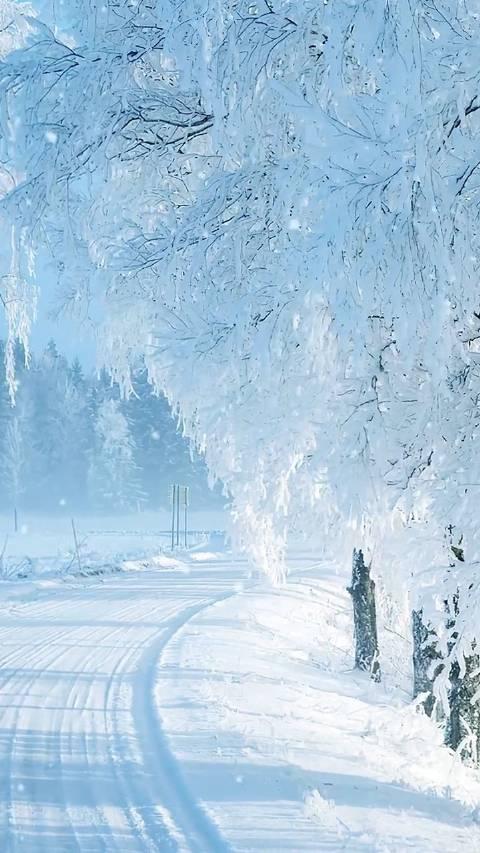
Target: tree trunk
x=425 y=653
x=463 y=725
x=362 y=591
x=462 y=731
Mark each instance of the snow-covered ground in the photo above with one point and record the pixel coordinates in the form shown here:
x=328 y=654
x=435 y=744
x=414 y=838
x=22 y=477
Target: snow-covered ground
x=44 y=545
x=186 y=706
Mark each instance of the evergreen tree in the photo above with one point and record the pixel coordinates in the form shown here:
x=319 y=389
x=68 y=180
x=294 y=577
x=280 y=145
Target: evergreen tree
x=113 y=473
x=78 y=438
x=5 y=404
x=75 y=374
x=162 y=453
x=50 y=378
x=16 y=439
x=71 y=441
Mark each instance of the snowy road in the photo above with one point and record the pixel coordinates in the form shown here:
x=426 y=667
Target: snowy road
x=84 y=764
x=177 y=708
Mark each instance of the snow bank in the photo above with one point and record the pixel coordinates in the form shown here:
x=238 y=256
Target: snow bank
x=288 y=747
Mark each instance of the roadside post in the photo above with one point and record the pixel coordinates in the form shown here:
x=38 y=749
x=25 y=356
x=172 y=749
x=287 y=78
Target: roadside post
x=179 y=495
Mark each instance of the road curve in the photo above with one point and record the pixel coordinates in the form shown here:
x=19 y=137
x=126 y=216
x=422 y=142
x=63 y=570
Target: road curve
x=85 y=765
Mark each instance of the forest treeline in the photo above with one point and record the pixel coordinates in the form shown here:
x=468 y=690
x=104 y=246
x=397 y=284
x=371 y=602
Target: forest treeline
x=70 y=441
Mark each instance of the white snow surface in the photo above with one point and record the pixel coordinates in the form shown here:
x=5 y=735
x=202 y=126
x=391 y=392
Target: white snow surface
x=45 y=546
x=186 y=706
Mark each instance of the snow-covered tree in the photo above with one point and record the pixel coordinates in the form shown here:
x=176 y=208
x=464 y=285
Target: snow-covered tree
x=281 y=198
x=16 y=441
x=13 y=461
x=17 y=287
x=162 y=454
x=297 y=143
x=53 y=423
x=113 y=474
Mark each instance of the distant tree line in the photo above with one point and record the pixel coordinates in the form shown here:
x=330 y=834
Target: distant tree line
x=70 y=441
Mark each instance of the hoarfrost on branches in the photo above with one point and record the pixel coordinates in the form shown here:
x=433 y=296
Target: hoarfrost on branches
x=279 y=203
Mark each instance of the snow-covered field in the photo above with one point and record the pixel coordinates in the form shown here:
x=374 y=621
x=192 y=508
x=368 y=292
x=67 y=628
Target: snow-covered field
x=182 y=705
x=44 y=545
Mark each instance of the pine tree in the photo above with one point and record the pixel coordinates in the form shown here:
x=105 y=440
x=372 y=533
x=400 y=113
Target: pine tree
x=76 y=375
x=78 y=438
x=163 y=455
x=16 y=440
x=49 y=382
x=5 y=412
x=113 y=473
x=53 y=436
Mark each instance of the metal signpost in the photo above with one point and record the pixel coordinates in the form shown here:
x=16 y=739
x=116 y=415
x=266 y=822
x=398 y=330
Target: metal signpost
x=179 y=495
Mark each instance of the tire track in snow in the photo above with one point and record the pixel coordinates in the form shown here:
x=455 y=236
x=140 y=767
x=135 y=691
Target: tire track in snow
x=56 y=745
x=84 y=734
x=22 y=691
x=88 y=741
x=114 y=739
x=188 y=816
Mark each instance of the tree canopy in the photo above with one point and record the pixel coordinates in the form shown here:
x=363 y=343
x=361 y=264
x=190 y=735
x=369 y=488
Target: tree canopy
x=278 y=202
